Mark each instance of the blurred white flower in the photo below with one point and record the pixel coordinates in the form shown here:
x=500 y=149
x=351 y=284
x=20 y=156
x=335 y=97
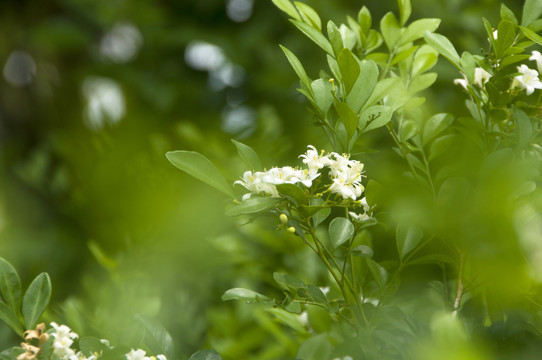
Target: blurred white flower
x=536 y=56
x=137 y=355
x=105 y=102
x=122 y=43
x=63 y=340
x=528 y=79
x=481 y=77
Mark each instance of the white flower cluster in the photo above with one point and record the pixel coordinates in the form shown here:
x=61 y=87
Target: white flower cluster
x=344 y=173
x=63 y=340
x=481 y=77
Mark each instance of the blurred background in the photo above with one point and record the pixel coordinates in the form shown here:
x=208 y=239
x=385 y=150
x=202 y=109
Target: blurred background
x=94 y=93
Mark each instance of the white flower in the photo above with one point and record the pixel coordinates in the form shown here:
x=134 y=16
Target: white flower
x=481 y=77
x=137 y=355
x=306 y=177
x=495 y=34
x=254 y=183
x=63 y=340
x=463 y=82
x=538 y=58
x=346 y=189
x=314 y=160
x=528 y=79
x=359 y=217
x=161 y=357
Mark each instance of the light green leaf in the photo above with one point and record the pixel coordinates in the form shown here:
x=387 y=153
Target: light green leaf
x=364 y=19
x=287 y=7
x=443 y=46
x=90 y=345
x=435 y=125
x=8 y=316
x=507 y=14
x=348 y=118
x=36 y=299
x=506 y=37
x=317 y=347
x=321 y=215
x=156 y=337
x=531 y=35
x=205 y=355
x=524 y=128
x=201 y=168
x=425 y=58
x=403 y=55
x=340 y=231
x=315 y=35
x=287 y=318
x=379 y=273
x=335 y=38
x=289 y=282
x=391 y=31
x=364 y=86
x=249 y=156
x=381 y=115
x=309 y=15
x=298 y=68
x=294 y=192
x=244 y=295
x=10 y=286
x=405 y=9
x=422 y=82
x=349 y=68
x=440 y=145
x=362 y=251
x=253 y=205
x=531 y=11
x=322 y=94
x=417 y=29
x=380 y=90
x=408 y=237
x=407 y=130
x=468 y=63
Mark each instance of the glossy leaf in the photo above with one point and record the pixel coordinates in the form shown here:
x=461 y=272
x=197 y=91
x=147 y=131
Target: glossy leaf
x=340 y=231
x=391 y=31
x=364 y=86
x=335 y=38
x=201 y=168
x=309 y=15
x=364 y=19
x=362 y=251
x=36 y=299
x=405 y=9
x=417 y=29
x=408 y=237
x=315 y=35
x=422 y=82
x=287 y=7
x=298 y=67
x=293 y=192
x=531 y=35
x=249 y=156
x=10 y=286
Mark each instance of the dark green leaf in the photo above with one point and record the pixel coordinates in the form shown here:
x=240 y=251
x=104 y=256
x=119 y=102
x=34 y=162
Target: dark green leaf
x=248 y=155
x=340 y=231
x=157 y=338
x=253 y=205
x=349 y=68
x=8 y=316
x=364 y=86
x=408 y=236
x=10 y=286
x=379 y=273
x=36 y=299
x=201 y=168
x=206 y=355
x=298 y=68
x=348 y=118
x=315 y=36
x=531 y=11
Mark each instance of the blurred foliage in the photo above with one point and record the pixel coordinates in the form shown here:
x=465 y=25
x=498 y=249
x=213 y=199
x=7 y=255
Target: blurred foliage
x=96 y=205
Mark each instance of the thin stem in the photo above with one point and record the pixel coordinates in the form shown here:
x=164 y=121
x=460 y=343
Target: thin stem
x=459 y=292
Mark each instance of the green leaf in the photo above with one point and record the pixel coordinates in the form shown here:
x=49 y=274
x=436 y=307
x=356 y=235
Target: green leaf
x=248 y=155
x=36 y=299
x=315 y=36
x=90 y=345
x=244 y=295
x=403 y=55
x=381 y=115
x=468 y=63
x=322 y=94
x=10 y=286
x=531 y=35
x=287 y=7
x=372 y=191
x=364 y=19
x=298 y=68
x=157 y=338
x=316 y=294
x=379 y=273
x=8 y=316
x=253 y=205
x=435 y=125
x=405 y=9
x=507 y=14
x=443 y=46
x=425 y=58
x=362 y=251
x=335 y=38
x=288 y=282
x=348 y=118
x=294 y=192
x=205 y=355
x=201 y=168
x=340 y=231
x=309 y=15
x=317 y=347
x=321 y=215
x=391 y=31
x=417 y=29
x=524 y=128
x=506 y=37
x=287 y=318
x=531 y=11
x=440 y=145
x=308 y=211
x=422 y=82
x=349 y=68
x=407 y=130
x=380 y=90
x=364 y=85
x=408 y=237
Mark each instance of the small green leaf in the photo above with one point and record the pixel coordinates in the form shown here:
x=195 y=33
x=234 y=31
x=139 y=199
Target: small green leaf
x=289 y=282
x=403 y=55
x=289 y=317
x=90 y=345
x=391 y=31
x=417 y=29
x=364 y=19
x=10 y=286
x=298 y=68
x=335 y=38
x=408 y=237
x=253 y=205
x=322 y=94
x=531 y=11
x=317 y=347
x=506 y=37
x=287 y=7
x=36 y=299
x=507 y=14
x=531 y=35
x=422 y=82
x=468 y=63
x=321 y=215
x=349 y=68
x=244 y=295
x=309 y=211
x=362 y=251
x=524 y=128
x=309 y=15
x=205 y=355
x=443 y=46
x=440 y=145
x=380 y=90
x=405 y=9
x=294 y=192
x=348 y=118
x=316 y=294
x=407 y=130
x=248 y=155
x=157 y=338
x=364 y=85
x=435 y=125
x=340 y=231
x=201 y=168
x=8 y=316
x=315 y=36
x=379 y=273
x=425 y=58
x=375 y=116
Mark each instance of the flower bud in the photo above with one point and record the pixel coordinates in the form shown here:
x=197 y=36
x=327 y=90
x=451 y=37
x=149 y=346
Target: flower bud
x=291 y=230
x=283 y=218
